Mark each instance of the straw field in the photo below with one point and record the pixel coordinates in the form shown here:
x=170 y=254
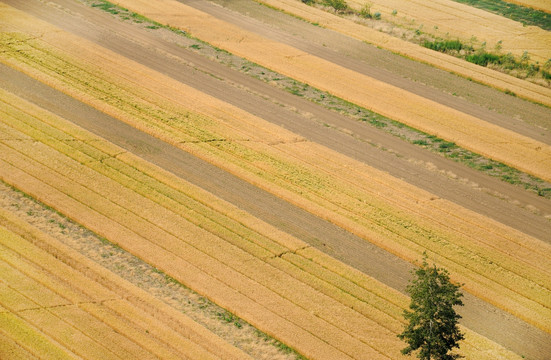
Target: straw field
x=288 y=289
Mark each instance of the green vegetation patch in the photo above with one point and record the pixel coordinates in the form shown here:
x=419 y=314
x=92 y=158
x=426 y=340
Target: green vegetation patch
x=504 y=62
x=525 y=15
x=446 y=45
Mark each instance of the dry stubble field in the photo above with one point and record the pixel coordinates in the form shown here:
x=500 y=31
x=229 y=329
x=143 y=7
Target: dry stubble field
x=315 y=304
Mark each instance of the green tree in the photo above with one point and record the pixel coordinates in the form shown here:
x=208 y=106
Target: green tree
x=432 y=322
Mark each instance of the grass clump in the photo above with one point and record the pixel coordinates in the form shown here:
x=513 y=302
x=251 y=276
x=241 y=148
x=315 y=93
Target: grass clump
x=337 y=5
x=365 y=11
x=507 y=63
x=445 y=45
x=108 y=7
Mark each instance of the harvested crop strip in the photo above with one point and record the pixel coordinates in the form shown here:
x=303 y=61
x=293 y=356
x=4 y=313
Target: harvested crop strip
x=467 y=131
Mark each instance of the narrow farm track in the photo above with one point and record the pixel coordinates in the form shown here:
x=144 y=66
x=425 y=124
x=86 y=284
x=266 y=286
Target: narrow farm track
x=316 y=304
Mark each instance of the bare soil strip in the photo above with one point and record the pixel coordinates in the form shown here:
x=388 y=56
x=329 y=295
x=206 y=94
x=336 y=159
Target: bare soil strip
x=467 y=131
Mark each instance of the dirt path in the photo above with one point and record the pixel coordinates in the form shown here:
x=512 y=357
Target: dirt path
x=305 y=226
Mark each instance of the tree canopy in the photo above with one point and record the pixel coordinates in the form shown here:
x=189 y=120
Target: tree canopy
x=432 y=321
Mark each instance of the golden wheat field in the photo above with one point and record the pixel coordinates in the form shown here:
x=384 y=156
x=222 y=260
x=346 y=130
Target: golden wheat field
x=312 y=296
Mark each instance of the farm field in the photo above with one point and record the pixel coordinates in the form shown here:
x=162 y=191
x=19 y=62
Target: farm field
x=56 y=304
x=64 y=79
x=446 y=123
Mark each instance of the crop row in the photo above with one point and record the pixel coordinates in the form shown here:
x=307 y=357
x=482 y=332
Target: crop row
x=517 y=266
x=303 y=297
x=56 y=304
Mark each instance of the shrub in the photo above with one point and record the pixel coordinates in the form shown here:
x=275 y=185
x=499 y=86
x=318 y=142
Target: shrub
x=365 y=11
x=483 y=58
x=444 y=46
x=377 y=16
